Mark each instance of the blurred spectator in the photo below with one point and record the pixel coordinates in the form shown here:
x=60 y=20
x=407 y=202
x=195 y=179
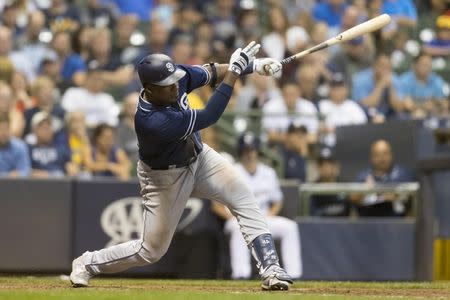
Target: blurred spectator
x=7 y=106
x=188 y=17
x=353 y=57
x=264 y=184
x=328 y=205
x=295 y=152
x=440 y=46
x=43 y=92
x=107 y=159
x=164 y=12
x=181 y=52
x=283 y=39
x=18 y=59
x=73 y=67
x=62 y=16
x=338 y=110
x=330 y=12
x=140 y=8
x=20 y=91
x=403 y=12
x=383 y=170
x=256 y=93
x=6 y=69
x=423 y=89
x=112 y=73
x=31 y=46
x=377 y=89
x=51 y=68
x=158 y=36
x=96 y=13
x=308 y=81
x=274 y=42
x=279 y=113
x=14 y=159
x=48 y=157
x=82 y=40
x=78 y=143
x=122 y=48
x=222 y=16
x=9 y=17
x=98 y=106
x=126 y=136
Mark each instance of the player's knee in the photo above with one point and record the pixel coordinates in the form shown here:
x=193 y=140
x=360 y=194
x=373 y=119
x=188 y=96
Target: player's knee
x=153 y=252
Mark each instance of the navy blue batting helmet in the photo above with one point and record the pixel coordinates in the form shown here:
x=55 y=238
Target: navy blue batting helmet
x=159 y=69
x=248 y=141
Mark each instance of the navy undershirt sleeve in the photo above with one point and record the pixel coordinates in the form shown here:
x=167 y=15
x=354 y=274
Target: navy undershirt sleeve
x=214 y=108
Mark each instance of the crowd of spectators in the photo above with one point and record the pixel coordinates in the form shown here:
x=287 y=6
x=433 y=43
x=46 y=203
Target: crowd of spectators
x=68 y=87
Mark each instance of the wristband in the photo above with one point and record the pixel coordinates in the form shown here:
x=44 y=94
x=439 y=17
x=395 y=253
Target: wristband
x=213 y=81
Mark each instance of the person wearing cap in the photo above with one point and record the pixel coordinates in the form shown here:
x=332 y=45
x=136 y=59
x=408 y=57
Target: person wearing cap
x=294 y=151
x=174 y=164
x=14 y=159
x=440 y=46
x=91 y=99
x=338 y=110
x=48 y=157
x=328 y=205
x=263 y=181
x=43 y=93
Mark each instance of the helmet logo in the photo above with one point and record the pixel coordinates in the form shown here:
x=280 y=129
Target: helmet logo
x=170 y=67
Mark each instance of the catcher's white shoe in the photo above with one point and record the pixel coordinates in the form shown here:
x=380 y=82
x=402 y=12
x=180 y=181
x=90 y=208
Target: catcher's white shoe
x=79 y=276
x=275 y=278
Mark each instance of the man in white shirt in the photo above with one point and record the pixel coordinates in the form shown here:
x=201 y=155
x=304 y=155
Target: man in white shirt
x=339 y=110
x=98 y=106
x=265 y=186
x=279 y=113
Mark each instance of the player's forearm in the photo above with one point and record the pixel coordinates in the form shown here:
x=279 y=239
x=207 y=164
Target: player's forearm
x=217 y=103
x=221 y=71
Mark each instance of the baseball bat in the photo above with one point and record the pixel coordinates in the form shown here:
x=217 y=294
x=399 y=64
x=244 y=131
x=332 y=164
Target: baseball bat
x=354 y=32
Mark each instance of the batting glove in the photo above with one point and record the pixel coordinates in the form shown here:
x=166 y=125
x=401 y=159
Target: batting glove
x=267 y=66
x=241 y=58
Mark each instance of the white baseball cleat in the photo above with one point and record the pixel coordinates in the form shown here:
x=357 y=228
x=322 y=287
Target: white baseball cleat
x=79 y=276
x=276 y=279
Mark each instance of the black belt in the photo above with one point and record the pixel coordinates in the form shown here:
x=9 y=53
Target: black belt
x=181 y=165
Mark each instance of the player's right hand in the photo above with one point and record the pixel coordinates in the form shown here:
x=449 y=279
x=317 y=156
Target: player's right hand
x=241 y=58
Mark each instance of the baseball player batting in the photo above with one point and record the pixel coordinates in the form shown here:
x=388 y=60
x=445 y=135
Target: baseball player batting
x=175 y=165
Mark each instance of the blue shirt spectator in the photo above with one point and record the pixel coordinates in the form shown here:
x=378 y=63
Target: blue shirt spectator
x=51 y=158
x=14 y=160
x=418 y=90
x=329 y=13
x=377 y=88
x=48 y=157
x=400 y=8
x=141 y=8
x=72 y=64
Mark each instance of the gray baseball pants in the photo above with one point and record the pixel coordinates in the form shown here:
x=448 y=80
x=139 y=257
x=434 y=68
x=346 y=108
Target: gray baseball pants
x=165 y=193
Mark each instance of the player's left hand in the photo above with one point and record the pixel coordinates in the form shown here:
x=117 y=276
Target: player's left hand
x=267 y=66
